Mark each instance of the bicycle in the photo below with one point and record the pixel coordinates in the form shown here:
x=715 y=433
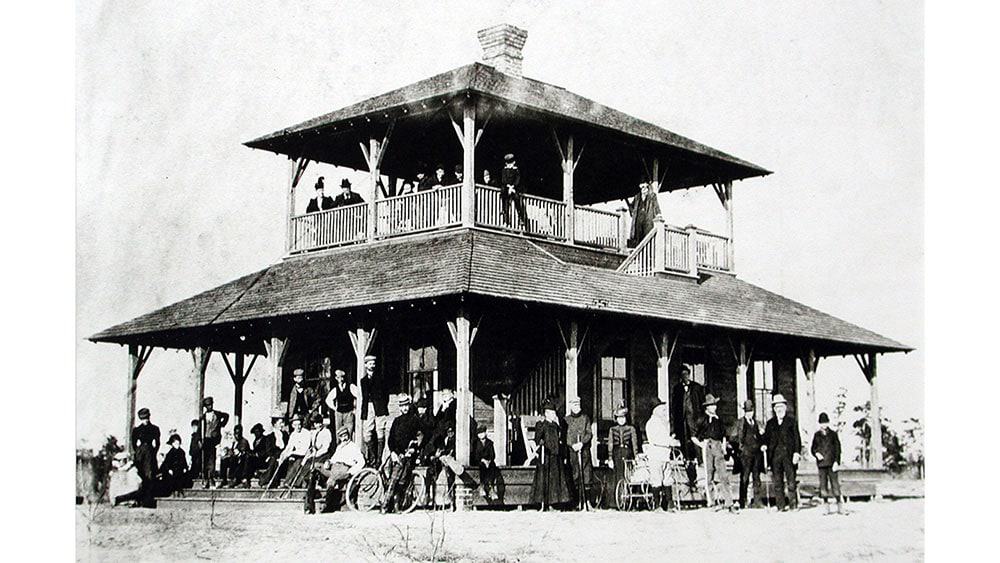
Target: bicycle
x=369 y=489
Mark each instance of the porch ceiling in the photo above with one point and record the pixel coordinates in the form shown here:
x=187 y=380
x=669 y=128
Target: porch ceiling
x=473 y=262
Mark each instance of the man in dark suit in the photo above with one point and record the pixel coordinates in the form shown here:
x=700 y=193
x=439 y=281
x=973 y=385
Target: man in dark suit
x=510 y=191
x=212 y=422
x=782 y=444
x=748 y=441
x=320 y=202
x=685 y=416
x=301 y=399
x=346 y=197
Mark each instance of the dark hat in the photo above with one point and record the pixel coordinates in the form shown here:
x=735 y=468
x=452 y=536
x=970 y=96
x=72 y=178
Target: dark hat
x=548 y=405
x=143 y=413
x=479 y=428
x=238 y=428
x=195 y=421
x=257 y=429
x=345 y=183
x=439 y=166
x=316 y=417
x=319 y=183
x=458 y=168
x=710 y=400
x=747 y=405
x=174 y=438
x=207 y=402
x=823 y=418
x=423 y=403
x=508 y=157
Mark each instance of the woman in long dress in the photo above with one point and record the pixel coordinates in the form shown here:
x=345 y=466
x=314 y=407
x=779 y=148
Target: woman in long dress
x=644 y=208
x=550 y=486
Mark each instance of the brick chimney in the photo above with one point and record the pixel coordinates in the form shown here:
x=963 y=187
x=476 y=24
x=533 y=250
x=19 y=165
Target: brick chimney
x=502 y=46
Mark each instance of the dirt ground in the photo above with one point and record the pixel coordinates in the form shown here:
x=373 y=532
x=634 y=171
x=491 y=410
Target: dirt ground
x=880 y=531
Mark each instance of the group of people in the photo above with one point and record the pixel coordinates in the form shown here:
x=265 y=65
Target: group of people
x=323 y=202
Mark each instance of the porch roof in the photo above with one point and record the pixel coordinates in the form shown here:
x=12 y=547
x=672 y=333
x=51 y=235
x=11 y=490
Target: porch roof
x=474 y=262
x=690 y=163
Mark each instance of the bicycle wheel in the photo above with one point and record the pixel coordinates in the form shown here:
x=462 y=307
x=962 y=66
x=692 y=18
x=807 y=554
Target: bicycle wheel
x=414 y=495
x=364 y=490
x=622 y=495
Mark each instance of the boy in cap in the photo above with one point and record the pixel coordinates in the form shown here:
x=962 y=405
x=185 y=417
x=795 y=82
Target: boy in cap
x=711 y=438
x=826 y=450
x=212 y=422
x=623 y=441
x=782 y=444
x=748 y=438
x=195 y=450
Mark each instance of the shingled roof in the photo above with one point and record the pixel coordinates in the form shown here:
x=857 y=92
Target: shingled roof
x=473 y=262
x=526 y=93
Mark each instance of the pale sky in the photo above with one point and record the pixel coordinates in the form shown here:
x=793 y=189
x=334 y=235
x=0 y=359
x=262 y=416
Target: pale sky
x=169 y=203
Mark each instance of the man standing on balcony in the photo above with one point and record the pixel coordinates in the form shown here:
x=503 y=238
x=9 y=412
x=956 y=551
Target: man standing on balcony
x=644 y=208
x=510 y=191
x=346 y=197
x=320 y=202
x=457 y=175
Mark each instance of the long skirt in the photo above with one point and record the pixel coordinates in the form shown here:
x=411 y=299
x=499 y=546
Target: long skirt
x=550 y=485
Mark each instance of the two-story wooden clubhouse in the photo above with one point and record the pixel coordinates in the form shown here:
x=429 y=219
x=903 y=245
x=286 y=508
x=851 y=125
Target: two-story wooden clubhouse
x=446 y=293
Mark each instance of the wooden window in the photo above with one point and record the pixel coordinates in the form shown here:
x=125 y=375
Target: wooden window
x=422 y=371
x=763 y=388
x=614 y=386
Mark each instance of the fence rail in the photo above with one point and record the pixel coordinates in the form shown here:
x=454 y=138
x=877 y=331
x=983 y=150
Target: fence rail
x=596 y=227
x=420 y=211
x=328 y=228
x=542 y=216
x=712 y=251
x=676 y=250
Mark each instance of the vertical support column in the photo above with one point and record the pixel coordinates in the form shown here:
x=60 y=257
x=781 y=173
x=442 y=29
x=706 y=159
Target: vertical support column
x=692 y=237
x=742 y=364
x=572 y=365
x=731 y=258
x=469 y=164
x=200 y=357
x=360 y=340
x=289 y=213
x=664 y=342
x=463 y=414
x=134 y=365
x=568 y=167
x=373 y=173
x=660 y=245
x=276 y=349
x=623 y=229
x=806 y=399
x=239 y=378
x=875 y=414
x=500 y=428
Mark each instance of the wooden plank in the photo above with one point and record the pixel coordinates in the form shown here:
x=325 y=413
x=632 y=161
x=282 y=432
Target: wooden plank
x=469 y=165
x=133 y=373
x=200 y=357
x=572 y=365
x=463 y=391
x=569 y=166
x=500 y=429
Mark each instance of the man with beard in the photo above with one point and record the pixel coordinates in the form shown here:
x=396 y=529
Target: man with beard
x=579 y=436
x=146 y=441
x=782 y=444
x=686 y=401
x=748 y=441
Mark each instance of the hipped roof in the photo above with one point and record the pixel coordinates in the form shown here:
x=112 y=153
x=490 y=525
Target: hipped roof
x=477 y=263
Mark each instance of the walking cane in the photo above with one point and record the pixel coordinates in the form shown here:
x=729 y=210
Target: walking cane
x=584 y=505
x=704 y=460
x=545 y=480
x=767 y=498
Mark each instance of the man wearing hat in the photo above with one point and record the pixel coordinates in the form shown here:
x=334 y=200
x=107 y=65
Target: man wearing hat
x=346 y=197
x=623 y=441
x=340 y=400
x=404 y=448
x=711 y=437
x=484 y=455
x=748 y=438
x=374 y=411
x=644 y=208
x=301 y=398
x=212 y=422
x=826 y=449
x=345 y=462
x=782 y=445
x=686 y=412
x=457 y=175
x=320 y=202
x=174 y=474
x=146 y=443
x=510 y=191
x=578 y=437
x=299 y=442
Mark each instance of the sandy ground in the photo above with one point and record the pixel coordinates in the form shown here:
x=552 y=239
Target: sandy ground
x=878 y=531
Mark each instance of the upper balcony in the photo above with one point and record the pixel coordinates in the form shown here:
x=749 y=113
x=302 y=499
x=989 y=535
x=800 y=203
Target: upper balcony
x=664 y=249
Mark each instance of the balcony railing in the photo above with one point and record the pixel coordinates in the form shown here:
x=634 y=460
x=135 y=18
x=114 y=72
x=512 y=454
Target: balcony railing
x=664 y=249
x=669 y=249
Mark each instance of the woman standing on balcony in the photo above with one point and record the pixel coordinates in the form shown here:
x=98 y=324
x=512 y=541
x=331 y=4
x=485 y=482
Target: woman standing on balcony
x=644 y=208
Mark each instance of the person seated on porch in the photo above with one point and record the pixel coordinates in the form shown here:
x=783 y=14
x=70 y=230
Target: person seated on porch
x=320 y=202
x=174 y=474
x=406 y=188
x=623 y=441
x=403 y=449
x=258 y=450
x=549 y=486
x=428 y=424
x=124 y=482
x=298 y=445
x=346 y=461
x=444 y=417
x=301 y=399
x=485 y=457
x=341 y=402
x=318 y=447
x=274 y=443
x=644 y=208
x=236 y=466
x=510 y=191
x=346 y=197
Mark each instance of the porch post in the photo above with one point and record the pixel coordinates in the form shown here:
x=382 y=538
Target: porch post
x=137 y=356
x=238 y=372
x=276 y=349
x=730 y=228
x=660 y=244
x=500 y=428
x=867 y=363
x=806 y=399
x=572 y=365
x=468 y=164
x=200 y=357
x=373 y=157
x=742 y=355
x=664 y=342
x=461 y=334
x=361 y=339
x=568 y=167
x=623 y=224
x=289 y=213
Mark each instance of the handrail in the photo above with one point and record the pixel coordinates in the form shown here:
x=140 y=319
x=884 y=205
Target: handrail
x=542 y=216
x=640 y=261
x=419 y=211
x=330 y=227
x=596 y=227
